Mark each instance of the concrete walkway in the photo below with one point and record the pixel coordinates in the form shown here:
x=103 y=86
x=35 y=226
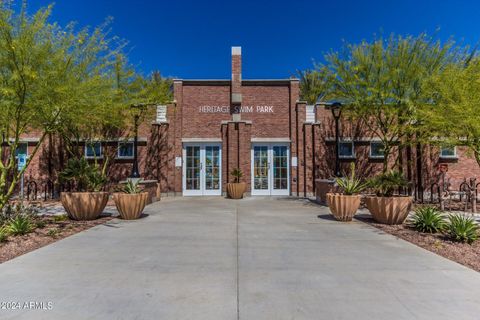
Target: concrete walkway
x=211 y=258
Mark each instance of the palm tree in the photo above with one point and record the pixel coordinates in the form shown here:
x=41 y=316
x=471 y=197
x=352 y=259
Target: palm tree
x=314 y=84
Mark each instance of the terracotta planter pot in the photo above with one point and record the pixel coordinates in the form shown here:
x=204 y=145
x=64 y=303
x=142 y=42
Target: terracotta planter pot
x=236 y=190
x=84 y=205
x=343 y=207
x=130 y=206
x=389 y=210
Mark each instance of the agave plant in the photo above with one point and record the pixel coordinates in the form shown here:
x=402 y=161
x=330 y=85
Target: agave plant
x=462 y=228
x=20 y=225
x=351 y=184
x=132 y=187
x=428 y=219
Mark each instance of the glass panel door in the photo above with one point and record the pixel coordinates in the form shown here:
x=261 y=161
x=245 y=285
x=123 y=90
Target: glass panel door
x=212 y=170
x=193 y=168
x=280 y=170
x=270 y=170
x=261 y=181
x=202 y=171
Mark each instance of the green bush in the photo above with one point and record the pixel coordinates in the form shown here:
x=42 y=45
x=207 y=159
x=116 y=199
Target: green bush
x=10 y=211
x=53 y=233
x=351 y=184
x=461 y=227
x=40 y=224
x=428 y=219
x=20 y=225
x=386 y=183
x=60 y=218
x=3 y=235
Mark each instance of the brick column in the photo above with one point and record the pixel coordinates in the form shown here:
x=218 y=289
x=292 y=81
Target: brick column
x=177 y=136
x=236 y=144
x=294 y=134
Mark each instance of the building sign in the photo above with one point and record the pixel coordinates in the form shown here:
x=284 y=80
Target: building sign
x=22 y=161
x=236 y=109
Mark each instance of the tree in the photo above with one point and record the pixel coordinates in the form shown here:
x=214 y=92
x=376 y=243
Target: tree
x=453 y=117
x=55 y=79
x=383 y=83
x=34 y=82
x=314 y=84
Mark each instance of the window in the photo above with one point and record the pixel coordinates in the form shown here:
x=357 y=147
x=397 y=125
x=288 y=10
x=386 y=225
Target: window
x=125 y=150
x=22 y=148
x=377 y=150
x=93 y=150
x=448 y=152
x=345 y=149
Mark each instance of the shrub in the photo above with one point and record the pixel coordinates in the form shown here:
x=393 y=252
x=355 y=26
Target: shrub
x=60 y=218
x=53 y=233
x=351 y=184
x=386 y=183
x=20 y=225
x=461 y=227
x=428 y=219
x=40 y=224
x=3 y=235
x=10 y=211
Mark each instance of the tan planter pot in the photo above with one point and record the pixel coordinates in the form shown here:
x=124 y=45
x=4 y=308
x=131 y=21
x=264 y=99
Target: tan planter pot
x=389 y=210
x=343 y=207
x=130 y=206
x=236 y=190
x=84 y=205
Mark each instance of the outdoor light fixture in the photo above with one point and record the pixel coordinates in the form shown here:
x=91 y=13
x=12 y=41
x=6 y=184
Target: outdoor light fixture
x=336 y=109
x=136 y=119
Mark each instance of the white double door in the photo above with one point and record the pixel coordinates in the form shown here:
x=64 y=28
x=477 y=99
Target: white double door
x=270 y=169
x=202 y=169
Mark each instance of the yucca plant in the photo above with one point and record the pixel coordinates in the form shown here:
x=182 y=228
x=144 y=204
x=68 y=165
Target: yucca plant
x=462 y=228
x=20 y=225
x=351 y=185
x=132 y=187
x=428 y=219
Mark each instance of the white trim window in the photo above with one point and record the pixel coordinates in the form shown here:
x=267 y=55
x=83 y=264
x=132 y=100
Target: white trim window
x=448 y=152
x=93 y=150
x=346 y=150
x=22 y=148
x=125 y=150
x=377 y=150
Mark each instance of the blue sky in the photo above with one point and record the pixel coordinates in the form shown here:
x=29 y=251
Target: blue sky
x=192 y=39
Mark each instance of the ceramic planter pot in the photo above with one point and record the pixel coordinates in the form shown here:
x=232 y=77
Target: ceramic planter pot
x=343 y=207
x=84 y=205
x=389 y=210
x=130 y=206
x=236 y=190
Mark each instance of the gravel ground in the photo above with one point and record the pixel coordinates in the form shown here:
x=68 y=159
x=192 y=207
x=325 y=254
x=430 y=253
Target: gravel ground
x=47 y=230
x=463 y=253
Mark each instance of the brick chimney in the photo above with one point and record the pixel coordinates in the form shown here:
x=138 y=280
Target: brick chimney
x=236 y=76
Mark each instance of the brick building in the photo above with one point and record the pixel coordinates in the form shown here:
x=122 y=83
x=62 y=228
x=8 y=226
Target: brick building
x=281 y=144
